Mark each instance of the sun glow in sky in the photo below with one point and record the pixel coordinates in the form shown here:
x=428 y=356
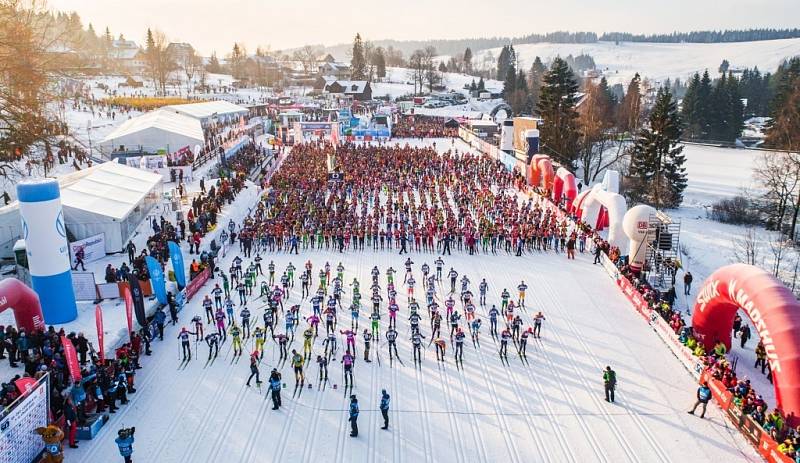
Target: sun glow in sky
x=217 y=24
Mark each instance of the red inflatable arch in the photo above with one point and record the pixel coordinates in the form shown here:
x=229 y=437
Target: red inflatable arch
x=24 y=302
x=775 y=313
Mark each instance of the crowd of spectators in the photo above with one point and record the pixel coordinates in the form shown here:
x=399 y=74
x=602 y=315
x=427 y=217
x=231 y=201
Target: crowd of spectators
x=104 y=385
x=423 y=127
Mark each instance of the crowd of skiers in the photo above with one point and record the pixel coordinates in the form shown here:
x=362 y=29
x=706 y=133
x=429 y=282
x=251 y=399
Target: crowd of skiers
x=423 y=127
x=339 y=320
x=402 y=198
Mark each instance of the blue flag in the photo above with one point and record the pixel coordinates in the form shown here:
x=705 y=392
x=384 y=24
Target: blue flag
x=176 y=256
x=157 y=279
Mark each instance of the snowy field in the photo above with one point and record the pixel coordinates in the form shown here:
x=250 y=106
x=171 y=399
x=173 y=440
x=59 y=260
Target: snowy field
x=550 y=409
x=659 y=61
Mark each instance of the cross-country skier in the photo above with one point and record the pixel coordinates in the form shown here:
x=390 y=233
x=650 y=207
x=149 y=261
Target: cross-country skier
x=347 y=362
x=416 y=342
x=504 y=296
x=537 y=324
x=493 y=313
x=452 y=275
x=330 y=345
x=521 y=288
x=208 y=307
x=391 y=337
x=350 y=340
x=439 y=264
x=441 y=347
x=197 y=321
x=459 y=345
x=516 y=326
x=229 y=311
x=245 y=314
x=476 y=328
x=482 y=287
x=367 y=340
x=254 y=369
x=185 y=347
x=375 y=321
x=236 y=337
x=505 y=336
x=269 y=321
x=282 y=341
x=308 y=336
x=297 y=364
x=217 y=292
x=322 y=362
x=454 y=318
x=259 y=336
x=212 y=339
x=523 y=341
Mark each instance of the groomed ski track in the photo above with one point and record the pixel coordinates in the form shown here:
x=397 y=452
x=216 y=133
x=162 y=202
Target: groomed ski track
x=551 y=410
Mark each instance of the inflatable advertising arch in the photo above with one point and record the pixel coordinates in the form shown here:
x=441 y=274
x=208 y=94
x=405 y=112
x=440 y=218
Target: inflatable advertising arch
x=547 y=173
x=24 y=302
x=564 y=184
x=535 y=177
x=637 y=226
x=615 y=206
x=775 y=313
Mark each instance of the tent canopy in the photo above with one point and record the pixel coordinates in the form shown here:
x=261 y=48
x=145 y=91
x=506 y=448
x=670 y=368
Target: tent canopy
x=207 y=109
x=157 y=129
x=111 y=189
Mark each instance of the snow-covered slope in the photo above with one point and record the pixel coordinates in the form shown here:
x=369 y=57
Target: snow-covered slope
x=659 y=61
x=400 y=82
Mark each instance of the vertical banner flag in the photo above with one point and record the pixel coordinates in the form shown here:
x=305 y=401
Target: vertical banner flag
x=98 y=320
x=128 y=310
x=157 y=279
x=72 y=359
x=176 y=256
x=138 y=299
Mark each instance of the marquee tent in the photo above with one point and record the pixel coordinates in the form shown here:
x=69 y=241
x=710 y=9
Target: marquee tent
x=155 y=130
x=208 y=110
x=110 y=198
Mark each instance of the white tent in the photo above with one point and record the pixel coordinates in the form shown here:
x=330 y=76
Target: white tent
x=155 y=130
x=208 y=110
x=110 y=198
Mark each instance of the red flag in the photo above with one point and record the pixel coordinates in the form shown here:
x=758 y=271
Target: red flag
x=129 y=310
x=98 y=320
x=72 y=359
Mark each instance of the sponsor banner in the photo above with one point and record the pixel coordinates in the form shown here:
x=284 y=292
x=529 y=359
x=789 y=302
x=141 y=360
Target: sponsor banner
x=611 y=269
x=721 y=395
x=98 y=320
x=19 y=442
x=176 y=256
x=71 y=358
x=84 y=286
x=634 y=296
x=768 y=449
x=521 y=127
x=194 y=286
x=752 y=430
x=128 y=309
x=684 y=354
x=93 y=248
x=157 y=279
x=735 y=415
x=108 y=291
x=138 y=299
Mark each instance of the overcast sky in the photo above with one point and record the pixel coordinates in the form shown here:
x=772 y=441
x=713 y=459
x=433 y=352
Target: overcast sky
x=216 y=24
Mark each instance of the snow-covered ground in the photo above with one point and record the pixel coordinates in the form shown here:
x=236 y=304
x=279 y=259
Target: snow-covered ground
x=659 y=61
x=400 y=82
x=550 y=409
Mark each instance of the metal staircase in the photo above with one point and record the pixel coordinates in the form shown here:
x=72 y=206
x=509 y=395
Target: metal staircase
x=663 y=253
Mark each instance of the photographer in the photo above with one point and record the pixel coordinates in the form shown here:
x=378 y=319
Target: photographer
x=125 y=443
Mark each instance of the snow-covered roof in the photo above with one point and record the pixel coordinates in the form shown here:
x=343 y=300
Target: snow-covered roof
x=167 y=121
x=207 y=109
x=109 y=189
x=351 y=87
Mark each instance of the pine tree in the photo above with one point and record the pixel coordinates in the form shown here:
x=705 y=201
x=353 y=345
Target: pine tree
x=559 y=132
x=358 y=63
x=702 y=107
x=510 y=82
x=535 y=78
x=783 y=132
x=468 y=60
x=481 y=85
x=656 y=174
x=379 y=60
x=688 y=106
x=507 y=58
x=631 y=107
